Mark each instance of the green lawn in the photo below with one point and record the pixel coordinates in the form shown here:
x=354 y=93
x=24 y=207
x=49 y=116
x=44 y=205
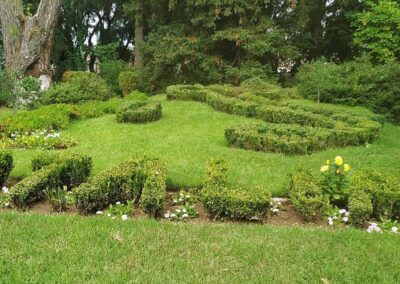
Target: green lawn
x=190 y=133
x=70 y=249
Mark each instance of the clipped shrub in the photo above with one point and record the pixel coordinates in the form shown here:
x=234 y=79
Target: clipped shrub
x=139 y=112
x=306 y=196
x=42 y=160
x=127 y=181
x=78 y=87
x=128 y=81
x=110 y=71
x=360 y=207
x=224 y=201
x=67 y=170
x=383 y=188
x=278 y=138
x=6 y=165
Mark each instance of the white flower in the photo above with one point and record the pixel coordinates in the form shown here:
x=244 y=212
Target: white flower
x=7 y=204
x=334 y=217
x=275 y=210
x=5 y=189
x=330 y=219
x=345 y=219
x=99 y=213
x=342 y=211
x=167 y=215
x=184 y=210
x=178 y=210
x=330 y=222
x=188 y=196
x=394 y=230
x=124 y=217
x=347 y=213
x=173 y=215
x=175 y=201
x=118 y=203
x=108 y=215
x=185 y=215
x=279 y=203
x=115 y=217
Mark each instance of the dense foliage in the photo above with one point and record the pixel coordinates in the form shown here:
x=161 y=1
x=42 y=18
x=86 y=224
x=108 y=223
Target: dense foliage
x=6 y=165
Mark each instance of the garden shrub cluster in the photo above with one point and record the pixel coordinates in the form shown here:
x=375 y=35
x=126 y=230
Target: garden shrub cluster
x=353 y=83
x=221 y=200
x=128 y=82
x=139 y=112
x=137 y=179
x=301 y=126
x=6 y=165
x=78 y=87
x=367 y=195
x=66 y=170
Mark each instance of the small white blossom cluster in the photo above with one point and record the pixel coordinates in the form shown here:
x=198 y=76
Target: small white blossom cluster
x=275 y=207
x=118 y=211
x=373 y=227
x=341 y=216
x=5 y=190
x=181 y=199
x=46 y=134
x=180 y=214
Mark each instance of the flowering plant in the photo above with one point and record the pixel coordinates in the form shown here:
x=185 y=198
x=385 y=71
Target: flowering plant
x=276 y=207
x=338 y=216
x=182 y=213
x=118 y=210
x=48 y=139
x=334 y=181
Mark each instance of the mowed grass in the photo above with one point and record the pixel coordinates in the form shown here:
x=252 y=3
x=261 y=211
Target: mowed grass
x=191 y=133
x=70 y=249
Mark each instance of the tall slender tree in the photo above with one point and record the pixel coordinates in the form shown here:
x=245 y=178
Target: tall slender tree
x=27 y=39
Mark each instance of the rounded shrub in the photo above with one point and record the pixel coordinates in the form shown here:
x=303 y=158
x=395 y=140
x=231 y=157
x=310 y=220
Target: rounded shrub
x=128 y=81
x=306 y=195
x=139 y=112
x=360 y=207
x=6 y=165
x=78 y=87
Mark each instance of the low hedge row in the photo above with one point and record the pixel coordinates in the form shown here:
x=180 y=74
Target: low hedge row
x=278 y=138
x=337 y=128
x=224 y=201
x=6 y=165
x=67 y=170
x=139 y=112
x=140 y=178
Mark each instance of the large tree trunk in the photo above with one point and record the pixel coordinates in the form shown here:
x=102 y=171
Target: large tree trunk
x=28 y=40
x=139 y=36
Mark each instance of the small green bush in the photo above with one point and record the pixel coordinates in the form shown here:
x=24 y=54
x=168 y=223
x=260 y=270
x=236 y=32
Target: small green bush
x=127 y=181
x=67 y=170
x=42 y=160
x=6 y=165
x=383 y=189
x=306 y=195
x=128 y=82
x=110 y=71
x=223 y=201
x=79 y=87
x=360 y=207
x=139 y=112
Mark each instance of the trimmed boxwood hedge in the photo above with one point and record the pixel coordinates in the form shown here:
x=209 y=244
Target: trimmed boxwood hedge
x=221 y=200
x=67 y=170
x=309 y=122
x=6 y=165
x=139 y=112
x=137 y=179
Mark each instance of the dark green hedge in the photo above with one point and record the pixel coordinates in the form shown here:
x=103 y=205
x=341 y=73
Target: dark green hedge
x=224 y=201
x=140 y=178
x=139 y=112
x=67 y=170
x=6 y=165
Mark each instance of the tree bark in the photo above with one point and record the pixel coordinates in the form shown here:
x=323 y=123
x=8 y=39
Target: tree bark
x=139 y=36
x=28 y=40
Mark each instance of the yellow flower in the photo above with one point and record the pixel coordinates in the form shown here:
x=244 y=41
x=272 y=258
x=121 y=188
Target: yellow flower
x=328 y=162
x=324 y=169
x=339 y=161
x=338 y=172
x=346 y=167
